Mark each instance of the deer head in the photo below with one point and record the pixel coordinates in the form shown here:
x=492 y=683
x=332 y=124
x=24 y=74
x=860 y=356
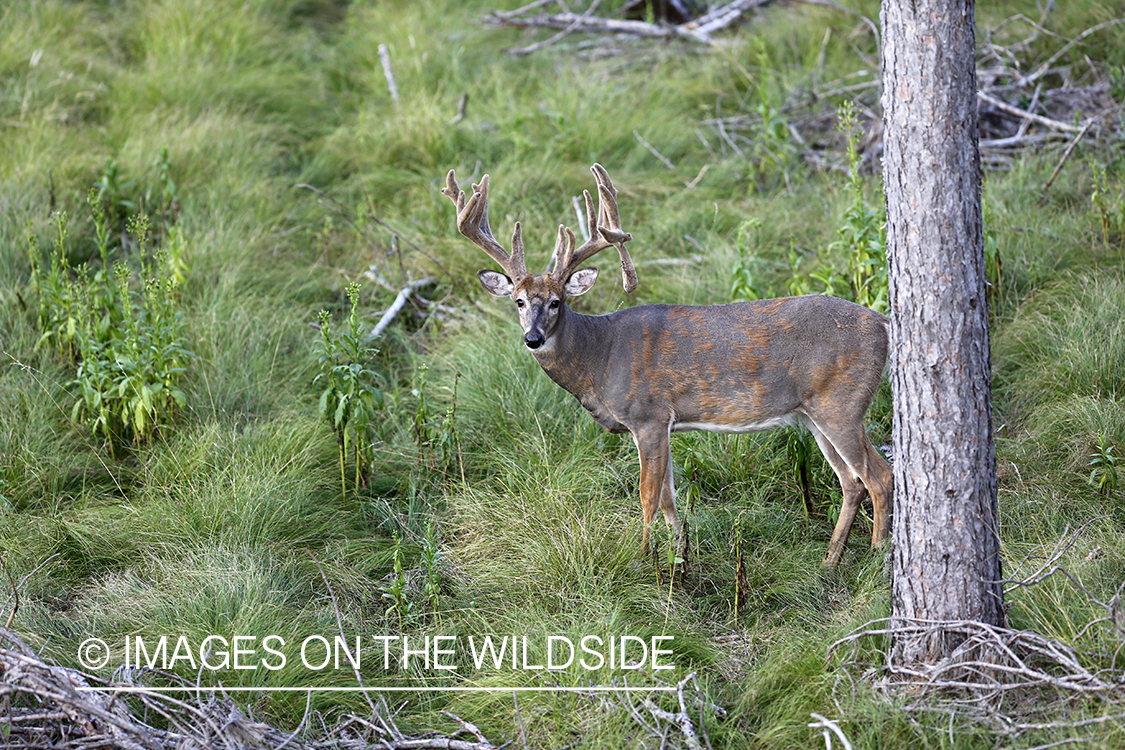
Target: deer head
x=540 y=298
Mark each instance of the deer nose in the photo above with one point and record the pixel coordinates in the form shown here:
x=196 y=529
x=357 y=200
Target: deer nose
x=533 y=340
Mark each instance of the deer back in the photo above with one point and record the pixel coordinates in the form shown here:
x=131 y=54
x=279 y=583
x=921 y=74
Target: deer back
x=738 y=367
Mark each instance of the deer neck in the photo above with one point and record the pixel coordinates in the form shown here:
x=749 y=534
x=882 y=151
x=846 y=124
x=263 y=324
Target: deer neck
x=574 y=351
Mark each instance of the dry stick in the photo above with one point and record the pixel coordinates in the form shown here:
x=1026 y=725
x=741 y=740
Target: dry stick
x=827 y=725
x=344 y=639
x=598 y=25
x=561 y=35
x=15 y=595
x=301 y=726
x=1045 y=121
x=720 y=18
x=1024 y=124
x=1046 y=66
x=699 y=30
x=385 y=58
x=470 y=727
x=1069 y=149
x=462 y=107
x=519 y=718
x=652 y=150
x=698 y=177
x=521 y=11
x=679 y=719
x=580 y=212
x=1062 y=546
x=397 y=305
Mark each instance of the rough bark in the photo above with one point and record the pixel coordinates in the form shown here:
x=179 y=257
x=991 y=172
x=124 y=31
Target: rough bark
x=945 y=535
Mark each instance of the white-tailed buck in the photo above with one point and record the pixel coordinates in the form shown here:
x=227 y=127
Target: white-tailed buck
x=656 y=369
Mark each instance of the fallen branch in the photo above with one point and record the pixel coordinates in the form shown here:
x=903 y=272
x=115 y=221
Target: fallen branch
x=700 y=30
x=47 y=706
x=829 y=728
x=388 y=73
x=1044 y=121
x=652 y=150
x=1062 y=100
x=396 y=306
x=522 y=52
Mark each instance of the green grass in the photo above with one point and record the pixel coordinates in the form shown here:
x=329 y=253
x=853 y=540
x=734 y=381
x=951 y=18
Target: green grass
x=218 y=524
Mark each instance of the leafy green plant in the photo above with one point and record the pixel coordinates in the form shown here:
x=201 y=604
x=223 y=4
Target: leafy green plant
x=800 y=447
x=821 y=281
x=394 y=591
x=425 y=427
x=128 y=343
x=744 y=282
x=436 y=436
x=862 y=237
x=741 y=584
x=1103 y=463
x=432 y=562
x=55 y=292
x=772 y=148
x=993 y=264
x=1111 y=209
x=349 y=399
x=119 y=198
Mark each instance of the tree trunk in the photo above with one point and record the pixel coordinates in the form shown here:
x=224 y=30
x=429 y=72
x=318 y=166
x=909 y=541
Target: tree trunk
x=945 y=534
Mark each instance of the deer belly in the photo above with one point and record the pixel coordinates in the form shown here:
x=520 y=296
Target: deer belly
x=736 y=426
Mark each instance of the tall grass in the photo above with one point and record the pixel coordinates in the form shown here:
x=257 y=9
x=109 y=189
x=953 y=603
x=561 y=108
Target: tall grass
x=219 y=524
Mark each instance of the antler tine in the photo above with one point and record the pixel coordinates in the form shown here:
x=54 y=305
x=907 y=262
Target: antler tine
x=605 y=231
x=562 y=257
x=472 y=221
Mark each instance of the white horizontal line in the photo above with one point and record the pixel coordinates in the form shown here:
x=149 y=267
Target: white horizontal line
x=354 y=689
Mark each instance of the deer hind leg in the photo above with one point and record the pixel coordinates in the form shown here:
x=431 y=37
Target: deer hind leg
x=654 y=447
x=861 y=470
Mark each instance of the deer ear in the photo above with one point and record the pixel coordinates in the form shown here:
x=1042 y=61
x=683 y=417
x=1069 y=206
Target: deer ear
x=581 y=281
x=495 y=283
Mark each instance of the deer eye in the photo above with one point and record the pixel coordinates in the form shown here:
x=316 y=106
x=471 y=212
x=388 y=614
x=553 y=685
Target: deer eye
x=520 y=303
x=554 y=304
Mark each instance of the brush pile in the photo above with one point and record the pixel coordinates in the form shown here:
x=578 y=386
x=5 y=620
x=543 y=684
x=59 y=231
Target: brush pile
x=47 y=707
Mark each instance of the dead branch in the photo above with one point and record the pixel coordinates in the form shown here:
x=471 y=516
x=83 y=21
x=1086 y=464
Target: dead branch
x=652 y=150
x=58 y=708
x=999 y=676
x=700 y=30
x=1067 y=98
x=829 y=728
x=396 y=307
x=561 y=35
x=388 y=72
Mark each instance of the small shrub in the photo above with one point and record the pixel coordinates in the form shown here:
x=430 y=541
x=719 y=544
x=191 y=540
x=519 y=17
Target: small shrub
x=128 y=343
x=1110 y=208
x=394 y=591
x=862 y=237
x=1103 y=463
x=745 y=284
x=349 y=400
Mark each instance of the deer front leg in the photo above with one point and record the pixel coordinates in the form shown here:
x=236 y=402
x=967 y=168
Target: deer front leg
x=655 y=449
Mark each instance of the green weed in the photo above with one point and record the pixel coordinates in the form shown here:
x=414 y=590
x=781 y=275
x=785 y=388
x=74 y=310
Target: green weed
x=129 y=344
x=1110 y=207
x=349 y=399
x=863 y=238
x=1103 y=463
x=399 y=605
